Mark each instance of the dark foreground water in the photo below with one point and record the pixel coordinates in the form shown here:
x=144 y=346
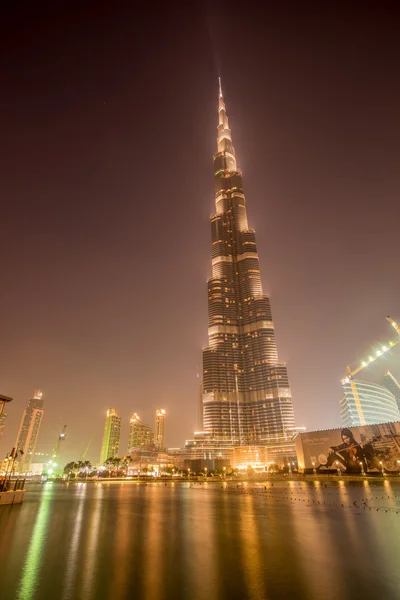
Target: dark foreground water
x=156 y=542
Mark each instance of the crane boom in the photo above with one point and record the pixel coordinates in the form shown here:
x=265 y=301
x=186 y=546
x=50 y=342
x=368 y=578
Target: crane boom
x=61 y=437
x=385 y=348
x=84 y=453
x=351 y=372
x=394 y=325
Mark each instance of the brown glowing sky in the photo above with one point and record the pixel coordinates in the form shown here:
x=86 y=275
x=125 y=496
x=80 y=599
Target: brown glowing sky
x=108 y=126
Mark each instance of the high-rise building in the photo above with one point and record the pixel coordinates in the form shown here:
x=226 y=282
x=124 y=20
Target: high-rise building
x=246 y=393
x=111 y=436
x=3 y=418
x=390 y=382
x=29 y=430
x=368 y=404
x=3 y=401
x=139 y=434
x=160 y=428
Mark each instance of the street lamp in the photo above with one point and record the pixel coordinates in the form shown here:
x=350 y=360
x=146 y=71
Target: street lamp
x=188 y=473
x=382 y=469
x=314 y=469
x=205 y=471
x=362 y=468
x=337 y=467
x=224 y=470
x=290 y=468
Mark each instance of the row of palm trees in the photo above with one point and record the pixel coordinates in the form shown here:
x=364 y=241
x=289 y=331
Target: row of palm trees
x=82 y=468
x=78 y=468
x=117 y=463
x=117 y=467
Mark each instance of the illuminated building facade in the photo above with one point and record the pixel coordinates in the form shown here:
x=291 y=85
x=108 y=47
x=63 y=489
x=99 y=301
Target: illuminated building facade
x=160 y=428
x=378 y=404
x=139 y=434
x=111 y=436
x=206 y=451
x=29 y=430
x=391 y=383
x=246 y=395
x=3 y=418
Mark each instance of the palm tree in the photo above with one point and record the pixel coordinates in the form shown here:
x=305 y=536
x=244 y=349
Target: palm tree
x=69 y=468
x=86 y=465
x=78 y=466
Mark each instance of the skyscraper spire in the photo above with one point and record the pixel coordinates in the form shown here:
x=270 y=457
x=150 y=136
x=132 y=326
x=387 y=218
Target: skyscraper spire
x=224 y=138
x=246 y=394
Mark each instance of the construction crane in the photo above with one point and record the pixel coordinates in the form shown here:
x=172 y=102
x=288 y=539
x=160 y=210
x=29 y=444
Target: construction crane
x=394 y=325
x=61 y=437
x=350 y=372
x=84 y=453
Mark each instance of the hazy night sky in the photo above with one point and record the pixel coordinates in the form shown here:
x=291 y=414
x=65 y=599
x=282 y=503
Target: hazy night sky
x=108 y=120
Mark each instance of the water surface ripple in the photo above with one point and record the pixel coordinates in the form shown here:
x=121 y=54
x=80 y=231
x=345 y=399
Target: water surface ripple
x=304 y=540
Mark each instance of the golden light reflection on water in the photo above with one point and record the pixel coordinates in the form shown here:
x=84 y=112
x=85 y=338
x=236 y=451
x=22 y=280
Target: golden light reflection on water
x=121 y=558
x=72 y=558
x=293 y=540
x=251 y=548
x=198 y=522
x=30 y=570
x=92 y=543
x=354 y=541
x=315 y=542
x=386 y=546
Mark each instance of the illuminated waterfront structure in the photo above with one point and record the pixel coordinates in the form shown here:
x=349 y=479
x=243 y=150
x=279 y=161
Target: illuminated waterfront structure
x=206 y=451
x=29 y=430
x=378 y=404
x=391 y=383
x=111 y=436
x=139 y=434
x=160 y=428
x=246 y=395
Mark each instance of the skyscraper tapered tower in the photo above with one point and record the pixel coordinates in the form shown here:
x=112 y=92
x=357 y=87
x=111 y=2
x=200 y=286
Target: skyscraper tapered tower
x=111 y=436
x=29 y=430
x=246 y=393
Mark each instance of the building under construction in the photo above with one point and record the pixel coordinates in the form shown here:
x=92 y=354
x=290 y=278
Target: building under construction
x=365 y=402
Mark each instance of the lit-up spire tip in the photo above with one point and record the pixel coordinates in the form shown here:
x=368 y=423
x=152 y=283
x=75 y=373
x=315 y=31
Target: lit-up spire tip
x=220 y=86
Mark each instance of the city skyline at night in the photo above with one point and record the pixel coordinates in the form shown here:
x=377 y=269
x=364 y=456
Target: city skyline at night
x=200 y=209
x=107 y=181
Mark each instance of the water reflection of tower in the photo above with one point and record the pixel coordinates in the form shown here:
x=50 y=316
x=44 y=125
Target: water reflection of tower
x=29 y=430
